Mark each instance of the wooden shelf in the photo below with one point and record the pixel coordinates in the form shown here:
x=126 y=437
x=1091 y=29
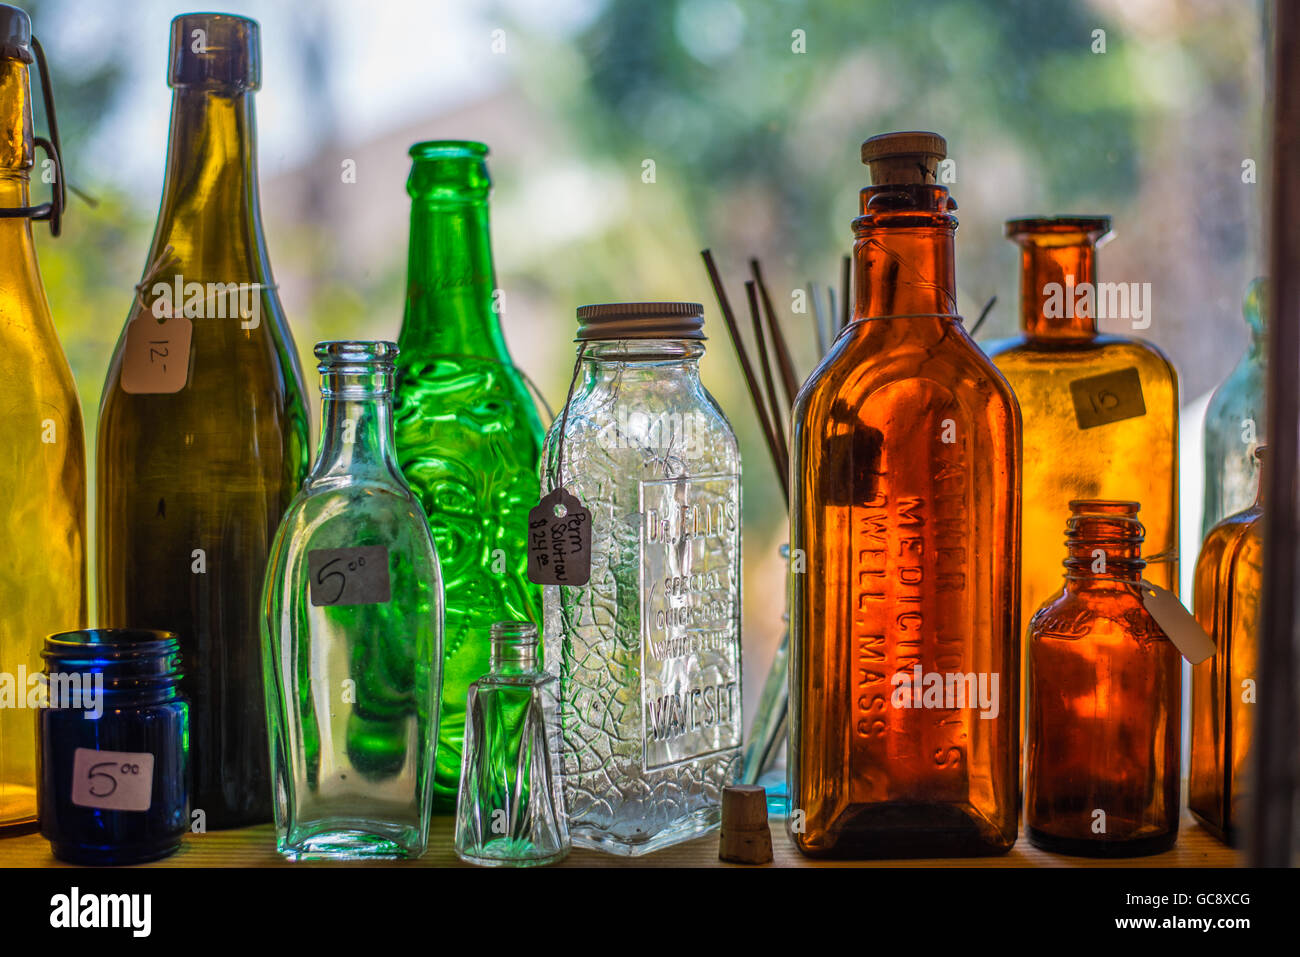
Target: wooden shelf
x=255 y=847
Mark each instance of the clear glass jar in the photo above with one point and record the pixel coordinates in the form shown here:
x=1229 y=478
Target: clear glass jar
x=648 y=651
x=352 y=633
x=510 y=810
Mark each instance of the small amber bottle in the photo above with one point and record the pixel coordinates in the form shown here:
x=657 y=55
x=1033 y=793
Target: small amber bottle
x=1104 y=706
x=1100 y=410
x=905 y=507
x=1226 y=589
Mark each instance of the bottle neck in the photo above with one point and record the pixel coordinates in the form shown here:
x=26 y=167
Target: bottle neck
x=903 y=256
x=211 y=211
x=1103 y=545
x=16 y=160
x=641 y=360
x=356 y=427
x=1058 y=290
x=451 y=306
x=514 y=648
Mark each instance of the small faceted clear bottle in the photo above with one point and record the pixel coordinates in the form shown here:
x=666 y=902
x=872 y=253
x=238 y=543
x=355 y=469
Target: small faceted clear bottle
x=352 y=633
x=43 y=451
x=1104 y=710
x=1100 y=411
x=511 y=810
x=904 y=525
x=1226 y=591
x=1235 y=422
x=648 y=650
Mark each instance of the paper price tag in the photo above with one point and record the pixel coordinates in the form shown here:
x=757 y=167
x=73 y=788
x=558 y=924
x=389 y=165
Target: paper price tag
x=559 y=545
x=1178 y=624
x=1110 y=397
x=348 y=576
x=112 y=780
x=156 y=357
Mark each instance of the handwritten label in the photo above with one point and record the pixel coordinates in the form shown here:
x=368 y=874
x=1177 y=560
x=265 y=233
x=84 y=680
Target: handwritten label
x=559 y=545
x=112 y=780
x=156 y=358
x=1179 y=625
x=1110 y=397
x=349 y=576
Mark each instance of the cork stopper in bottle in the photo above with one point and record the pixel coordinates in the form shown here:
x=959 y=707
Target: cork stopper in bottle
x=901 y=158
x=746 y=838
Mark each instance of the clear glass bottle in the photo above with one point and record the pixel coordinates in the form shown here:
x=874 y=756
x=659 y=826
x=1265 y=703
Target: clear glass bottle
x=203 y=431
x=1099 y=411
x=468 y=436
x=1104 y=709
x=43 y=453
x=648 y=651
x=511 y=810
x=352 y=633
x=1226 y=591
x=904 y=525
x=1235 y=422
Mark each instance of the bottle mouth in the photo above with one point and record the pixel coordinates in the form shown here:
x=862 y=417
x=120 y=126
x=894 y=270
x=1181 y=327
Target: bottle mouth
x=215 y=50
x=449 y=172
x=371 y=353
x=130 y=659
x=356 y=368
x=1060 y=230
x=514 y=644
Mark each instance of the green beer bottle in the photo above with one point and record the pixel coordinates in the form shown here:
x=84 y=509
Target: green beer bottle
x=468 y=435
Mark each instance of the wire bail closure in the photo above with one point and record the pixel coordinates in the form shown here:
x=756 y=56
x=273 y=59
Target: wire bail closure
x=53 y=210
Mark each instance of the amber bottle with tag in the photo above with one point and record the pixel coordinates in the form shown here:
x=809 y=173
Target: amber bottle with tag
x=1100 y=411
x=1103 y=713
x=1226 y=592
x=203 y=429
x=905 y=508
x=43 y=452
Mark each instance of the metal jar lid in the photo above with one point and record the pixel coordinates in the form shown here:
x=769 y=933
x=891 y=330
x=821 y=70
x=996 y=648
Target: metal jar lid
x=641 y=320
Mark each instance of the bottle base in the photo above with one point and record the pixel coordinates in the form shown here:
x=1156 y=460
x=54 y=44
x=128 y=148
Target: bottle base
x=898 y=831
x=687 y=828
x=91 y=855
x=335 y=842
x=1228 y=835
x=1088 y=847
x=510 y=853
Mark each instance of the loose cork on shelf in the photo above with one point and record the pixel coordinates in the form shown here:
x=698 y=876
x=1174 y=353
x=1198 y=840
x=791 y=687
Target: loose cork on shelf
x=746 y=838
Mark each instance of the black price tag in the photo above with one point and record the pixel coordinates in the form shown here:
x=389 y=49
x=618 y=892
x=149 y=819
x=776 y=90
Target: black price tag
x=349 y=576
x=559 y=541
x=1110 y=397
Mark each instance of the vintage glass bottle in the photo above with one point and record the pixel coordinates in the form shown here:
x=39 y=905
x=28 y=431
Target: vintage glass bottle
x=468 y=436
x=1104 y=706
x=1235 y=422
x=203 y=430
x=905 y=507
x=352 y=633
x=648 y=651
x=510 y=810
x=1226 y=591
x=43 y=454
x=1100 y=411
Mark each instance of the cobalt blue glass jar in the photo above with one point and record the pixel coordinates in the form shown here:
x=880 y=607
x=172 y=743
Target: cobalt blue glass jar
x=112 y=746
